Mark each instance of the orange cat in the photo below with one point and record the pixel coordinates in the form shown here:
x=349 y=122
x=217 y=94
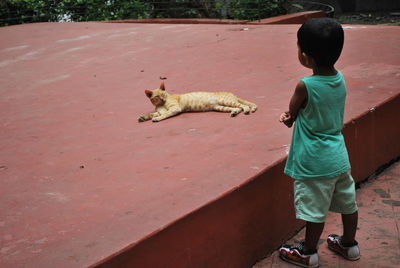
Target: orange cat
x=168 y=105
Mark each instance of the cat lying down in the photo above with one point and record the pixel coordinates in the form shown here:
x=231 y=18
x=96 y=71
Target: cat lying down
x=168 y=105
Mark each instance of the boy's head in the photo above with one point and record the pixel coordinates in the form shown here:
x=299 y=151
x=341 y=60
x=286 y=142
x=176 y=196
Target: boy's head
x=322 y=39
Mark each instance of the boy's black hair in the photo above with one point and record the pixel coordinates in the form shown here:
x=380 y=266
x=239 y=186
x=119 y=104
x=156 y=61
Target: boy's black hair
x=322 y=39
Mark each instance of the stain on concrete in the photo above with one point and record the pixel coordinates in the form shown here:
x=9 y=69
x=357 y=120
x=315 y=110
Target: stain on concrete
x=393 y=174
x=14 y=48
x=54 y=79
x=91 y=244
x=28 y=56
x=73 y=49
x=83 y=37
x=382 y=193
x=394 y=203
x=58 y=197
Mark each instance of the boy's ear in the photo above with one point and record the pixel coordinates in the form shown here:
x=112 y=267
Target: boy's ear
x=148 y=93
x=305 y=56
x=309 y=60
x=162 y=86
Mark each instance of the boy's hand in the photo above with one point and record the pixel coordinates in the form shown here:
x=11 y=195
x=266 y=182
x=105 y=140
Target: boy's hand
x=297 y=102
x=287 y=119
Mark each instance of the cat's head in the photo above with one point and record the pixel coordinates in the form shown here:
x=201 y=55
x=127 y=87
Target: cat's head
x=157 y=96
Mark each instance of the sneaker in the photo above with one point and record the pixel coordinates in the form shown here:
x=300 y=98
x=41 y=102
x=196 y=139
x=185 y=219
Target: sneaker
x=295 y=255
x=350 y=252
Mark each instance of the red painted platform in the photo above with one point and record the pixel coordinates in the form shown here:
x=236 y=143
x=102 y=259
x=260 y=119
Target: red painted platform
x=83 y=183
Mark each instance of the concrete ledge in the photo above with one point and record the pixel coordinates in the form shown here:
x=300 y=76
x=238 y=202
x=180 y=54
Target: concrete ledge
x=296 y=18
x=232 y=231
x=251 y=221
x=195 y=190
x=181 y=21
x=372 y=138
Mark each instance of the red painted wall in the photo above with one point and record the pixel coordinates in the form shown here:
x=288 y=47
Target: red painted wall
x=232 y=231
x=373 y=138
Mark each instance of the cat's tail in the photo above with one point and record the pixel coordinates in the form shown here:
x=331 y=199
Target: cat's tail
x=253 y=106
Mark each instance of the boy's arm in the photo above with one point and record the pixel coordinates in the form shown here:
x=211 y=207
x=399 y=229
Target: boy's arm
x=298 y=101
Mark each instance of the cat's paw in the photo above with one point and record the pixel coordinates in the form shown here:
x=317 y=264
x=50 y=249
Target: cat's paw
x=142 y=118
x=156 y=119
x=246 y=110
x=236 y=111
x=253 y=109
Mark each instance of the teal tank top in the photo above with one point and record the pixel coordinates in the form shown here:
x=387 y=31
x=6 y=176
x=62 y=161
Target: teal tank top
x=318 y=148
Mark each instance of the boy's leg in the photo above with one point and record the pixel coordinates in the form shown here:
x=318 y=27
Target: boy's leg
x=304 y=253
x=312 y=200
x=344 y=202
x=313 y=233
x=350 y=222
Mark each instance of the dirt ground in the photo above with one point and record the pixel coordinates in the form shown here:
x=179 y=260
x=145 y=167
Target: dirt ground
x=374 y=18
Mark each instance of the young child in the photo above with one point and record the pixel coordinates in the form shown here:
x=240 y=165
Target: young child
x=318 y=159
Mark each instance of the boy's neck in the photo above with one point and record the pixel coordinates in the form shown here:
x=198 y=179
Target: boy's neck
x=324 y=70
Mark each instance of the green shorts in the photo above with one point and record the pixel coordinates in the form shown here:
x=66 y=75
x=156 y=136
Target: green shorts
x=314 y=197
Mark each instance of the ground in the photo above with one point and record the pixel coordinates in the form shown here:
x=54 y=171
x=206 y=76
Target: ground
x=377 y=232
x=381 y=18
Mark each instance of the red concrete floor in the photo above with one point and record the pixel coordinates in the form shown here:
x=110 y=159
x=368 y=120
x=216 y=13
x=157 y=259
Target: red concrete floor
x=81 y=179
x=378 y=229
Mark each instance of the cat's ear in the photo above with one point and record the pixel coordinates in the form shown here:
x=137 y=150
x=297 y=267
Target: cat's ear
x=148 y=93
x=162 y=86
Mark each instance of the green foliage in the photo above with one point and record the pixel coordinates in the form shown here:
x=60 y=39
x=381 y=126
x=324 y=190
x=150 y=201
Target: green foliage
x=182 y=8
x=27 y=11
x=257 y=9
x=20 y=11
x=89 y=10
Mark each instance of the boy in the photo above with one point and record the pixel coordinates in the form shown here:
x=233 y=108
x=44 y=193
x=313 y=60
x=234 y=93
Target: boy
x=318 y=159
